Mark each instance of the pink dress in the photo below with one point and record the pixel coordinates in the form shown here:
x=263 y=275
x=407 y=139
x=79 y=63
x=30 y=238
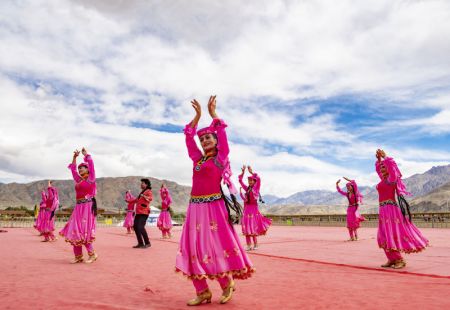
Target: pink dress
x=80 y=229
x=209 y=245
x=253 y=222
x=39 y=220
x=353 y=217
x=129 y=218
x=164 y=219
x=52 y=204
x=395 y=231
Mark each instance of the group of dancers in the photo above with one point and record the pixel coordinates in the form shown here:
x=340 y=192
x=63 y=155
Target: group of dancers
x=209 y=246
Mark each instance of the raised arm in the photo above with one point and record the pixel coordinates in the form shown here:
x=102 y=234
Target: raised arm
x=168 y=198
x=190 y=130
x=219 y=127
x=257 y=185
x=53 y=197
x=240 y=177
x=340 y=191
x=194 y=152
x=90 y=162
x=73 y=167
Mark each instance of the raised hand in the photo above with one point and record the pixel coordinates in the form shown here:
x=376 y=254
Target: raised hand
x=338 y=181
x=212 y=103
x=380 y=154
x=83 y=151
x=198 y=112
x=250 y=169
x=243 y=169
x=76 y=153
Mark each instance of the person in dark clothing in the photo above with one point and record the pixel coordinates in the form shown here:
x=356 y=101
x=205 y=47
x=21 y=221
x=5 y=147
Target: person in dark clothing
x=142 y=211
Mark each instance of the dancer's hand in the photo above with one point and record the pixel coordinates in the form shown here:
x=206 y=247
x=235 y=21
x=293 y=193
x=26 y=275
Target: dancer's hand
x=338 y=181
x=243 y=169
x=347 y=179
x=250 y=169
x=83 y=151
x=198 y=112
x=380 y=154
x=197 y=107
x=212 y=103
x=76 y=153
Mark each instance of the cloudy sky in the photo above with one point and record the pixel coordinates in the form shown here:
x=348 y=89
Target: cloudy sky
x=309 y=89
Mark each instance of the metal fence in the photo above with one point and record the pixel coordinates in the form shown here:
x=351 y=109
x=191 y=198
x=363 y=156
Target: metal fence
x=423 y=220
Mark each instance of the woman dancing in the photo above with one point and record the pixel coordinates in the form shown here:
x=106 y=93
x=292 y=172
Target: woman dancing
x=209 y=245
x=81 y=227
x=164 y=220
x=52 y=204
x=396 y=232
x=354 y=199
x=39 y=222
x=253 y=223
x=129 y=218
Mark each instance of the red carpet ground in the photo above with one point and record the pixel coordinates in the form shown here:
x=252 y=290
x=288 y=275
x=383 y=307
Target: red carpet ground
x=297 y=267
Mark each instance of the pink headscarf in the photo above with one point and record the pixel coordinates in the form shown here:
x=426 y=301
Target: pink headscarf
x=84 y=164
x=206 y=130
x=394 y=174
x=356 y=192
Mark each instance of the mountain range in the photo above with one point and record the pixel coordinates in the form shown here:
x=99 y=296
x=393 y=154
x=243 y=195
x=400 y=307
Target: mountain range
x=431 y=192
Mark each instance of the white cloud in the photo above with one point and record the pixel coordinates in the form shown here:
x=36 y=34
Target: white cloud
x=101 y=66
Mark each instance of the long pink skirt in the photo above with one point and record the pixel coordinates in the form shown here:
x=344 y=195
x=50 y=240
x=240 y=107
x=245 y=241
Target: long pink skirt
x=164 y=221
x=397 y=233
x=47 y=222
x=209 y=245
x=253 y=222
x=80 y=229
x=129 y=220
x=354 y=218
x=38 y=222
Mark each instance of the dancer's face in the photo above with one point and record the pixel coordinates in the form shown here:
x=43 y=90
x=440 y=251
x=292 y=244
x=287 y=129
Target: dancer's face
x=82 y=170
x=143 y=185
x=208 y=142
x=384 y=171
x=349 y=188
x=251 y=182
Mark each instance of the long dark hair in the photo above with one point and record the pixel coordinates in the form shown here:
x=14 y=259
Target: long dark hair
x=148 y=185
x=232 y=205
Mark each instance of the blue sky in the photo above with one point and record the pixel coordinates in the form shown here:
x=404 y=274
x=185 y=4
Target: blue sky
x=309 y=89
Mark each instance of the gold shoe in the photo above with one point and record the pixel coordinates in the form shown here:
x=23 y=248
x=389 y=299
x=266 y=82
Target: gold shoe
x=388 y=264
x=92 y=258
x=206 y=296
x=78 y=259
x=399 y=264
x=228 y=292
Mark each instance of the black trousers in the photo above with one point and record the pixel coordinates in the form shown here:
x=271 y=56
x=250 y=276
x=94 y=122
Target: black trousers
x=139 y=229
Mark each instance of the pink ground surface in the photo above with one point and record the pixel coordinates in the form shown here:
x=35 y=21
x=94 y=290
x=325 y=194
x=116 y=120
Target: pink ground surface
x=297 y=267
